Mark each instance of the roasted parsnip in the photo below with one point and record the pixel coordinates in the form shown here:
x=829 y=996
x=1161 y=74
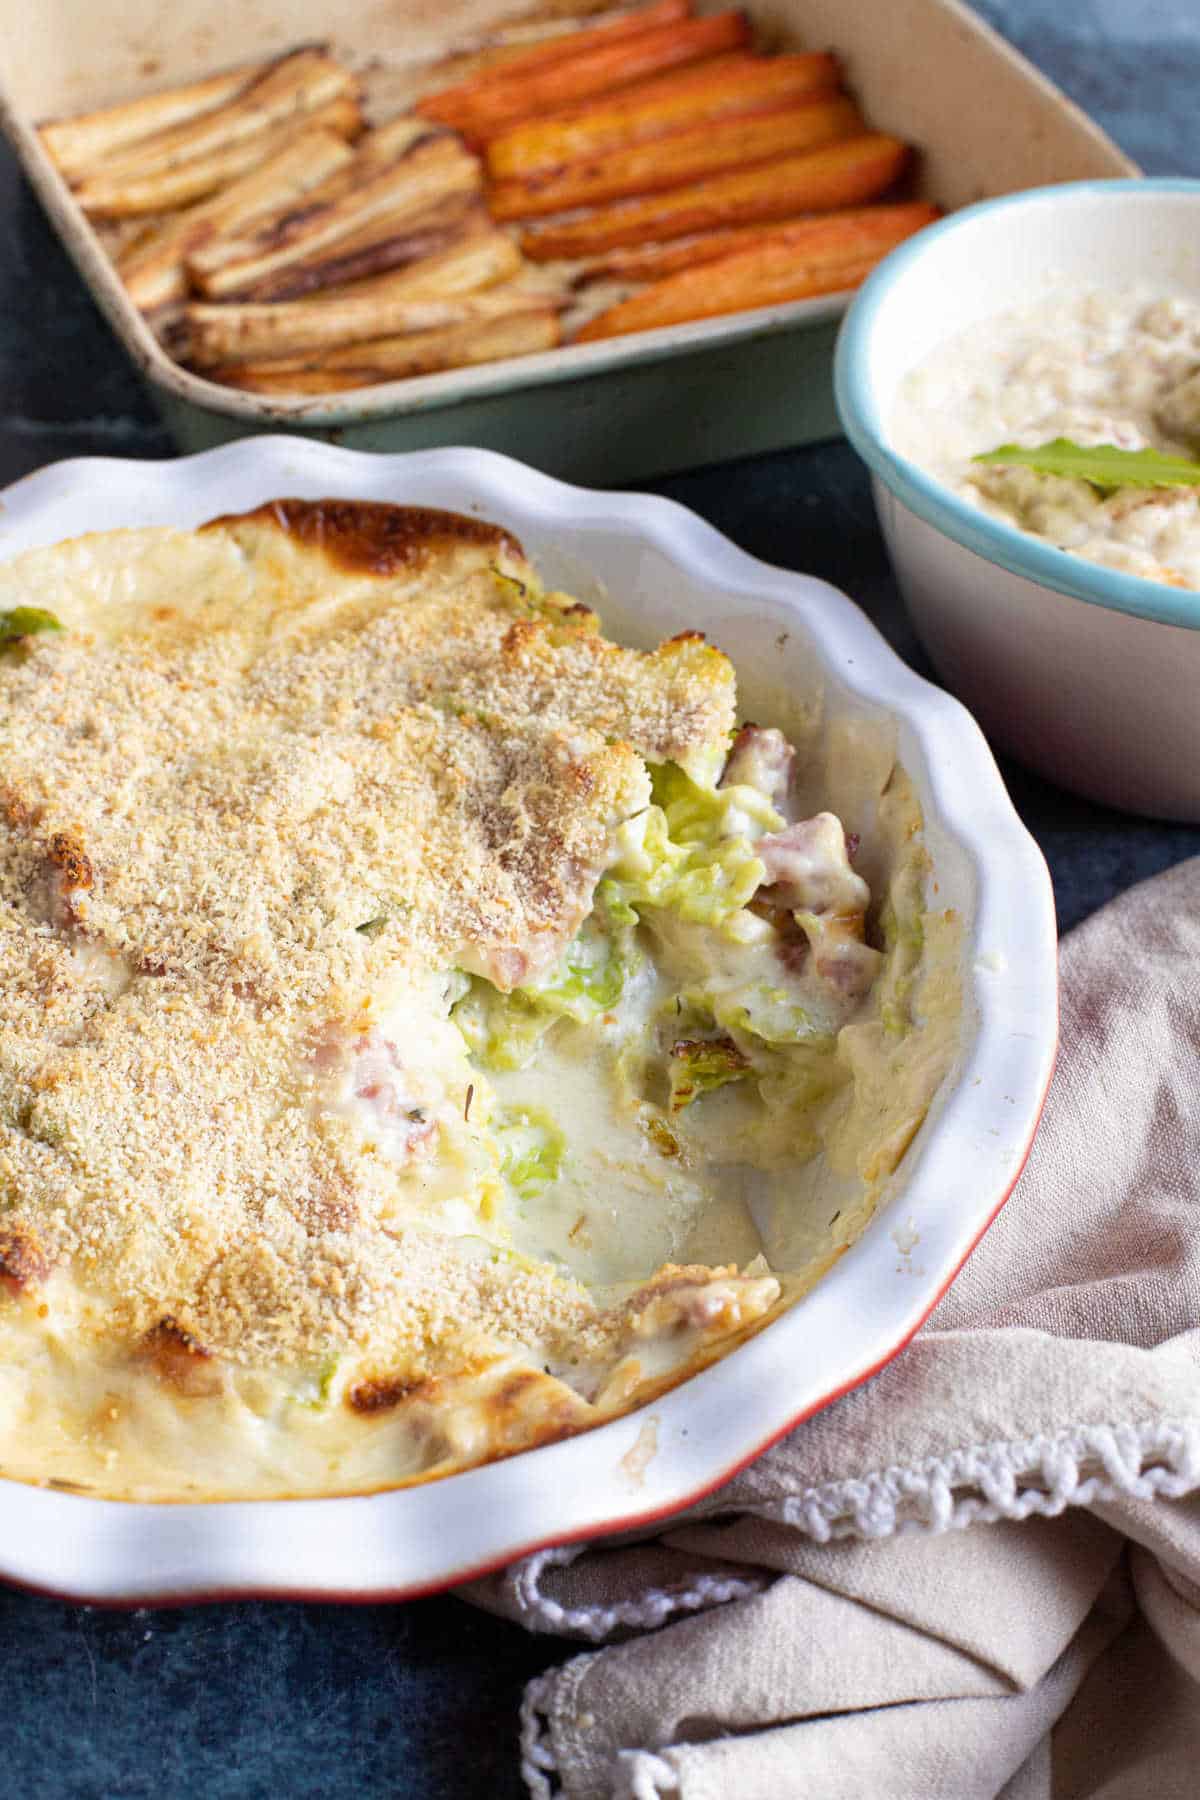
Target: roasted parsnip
x=390 y=359
x=255 y=332
x=299 y=83
x=123 y=197
x=438 y=170
x=78 y=144
x=152 y=268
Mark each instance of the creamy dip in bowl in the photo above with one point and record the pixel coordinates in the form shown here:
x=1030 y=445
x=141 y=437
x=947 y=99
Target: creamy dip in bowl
x=1065 y=613
x=1089 y=365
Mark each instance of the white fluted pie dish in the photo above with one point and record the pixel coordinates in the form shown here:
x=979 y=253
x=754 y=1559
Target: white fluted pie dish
x=652 y=569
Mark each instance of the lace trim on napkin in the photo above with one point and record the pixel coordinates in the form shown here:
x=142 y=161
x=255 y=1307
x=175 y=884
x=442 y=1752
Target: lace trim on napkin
x=978 y=1485
x=652 y=1607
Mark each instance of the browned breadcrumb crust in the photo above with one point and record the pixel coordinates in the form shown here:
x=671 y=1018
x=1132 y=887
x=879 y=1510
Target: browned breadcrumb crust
x=367 y=537
x=326 y=713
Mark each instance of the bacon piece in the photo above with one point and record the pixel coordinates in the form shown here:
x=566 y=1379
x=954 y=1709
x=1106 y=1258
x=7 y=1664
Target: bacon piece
x=808 y=869
x=762 y=758
x=381 y=1393
x=840 y=957
x=365 y=1078
x=381 y=1083
x=66 y=875
x=178 y=1359
x=23 y=1262
x=809 y=873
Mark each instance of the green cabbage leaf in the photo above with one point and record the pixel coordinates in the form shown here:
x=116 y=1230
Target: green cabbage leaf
x=681 y=855
x=503 y=1031
x=531 y=1150
x=699 y=1065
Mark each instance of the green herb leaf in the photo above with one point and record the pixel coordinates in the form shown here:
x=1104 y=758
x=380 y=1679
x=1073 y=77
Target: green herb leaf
x=25 y=621
x=372 y=927
x=1103 y=466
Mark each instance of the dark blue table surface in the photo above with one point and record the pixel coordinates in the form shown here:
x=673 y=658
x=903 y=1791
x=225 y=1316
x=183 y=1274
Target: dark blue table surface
x=234 y=1702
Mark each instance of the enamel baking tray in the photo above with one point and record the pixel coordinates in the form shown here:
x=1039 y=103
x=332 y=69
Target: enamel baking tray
x=929 y=71
x=652 y=568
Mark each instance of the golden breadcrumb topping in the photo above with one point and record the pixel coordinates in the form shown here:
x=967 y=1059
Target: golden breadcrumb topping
x=246 y=744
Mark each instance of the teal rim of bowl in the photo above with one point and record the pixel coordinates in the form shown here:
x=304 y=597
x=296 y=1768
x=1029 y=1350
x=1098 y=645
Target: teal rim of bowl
x=939 y=506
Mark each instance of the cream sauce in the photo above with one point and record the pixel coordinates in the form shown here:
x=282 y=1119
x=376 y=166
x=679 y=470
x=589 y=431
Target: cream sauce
x=1117 y=367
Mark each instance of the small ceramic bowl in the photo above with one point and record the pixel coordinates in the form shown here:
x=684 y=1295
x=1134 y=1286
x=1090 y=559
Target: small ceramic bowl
x=1087 y=674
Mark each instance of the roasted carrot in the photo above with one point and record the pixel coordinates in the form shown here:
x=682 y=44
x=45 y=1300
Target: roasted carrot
x=841 y=174
x=686 y=156
x=706 y=65
x=815 y=256
x=652 y=262
x=390 y=359
x=653 y=307
x=508 y=100
x=500 y=49
x=703 y=69
x=724 y=87
x=523 y=60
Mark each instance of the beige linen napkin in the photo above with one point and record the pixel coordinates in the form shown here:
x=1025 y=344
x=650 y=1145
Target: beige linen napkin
x=821 y=1627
